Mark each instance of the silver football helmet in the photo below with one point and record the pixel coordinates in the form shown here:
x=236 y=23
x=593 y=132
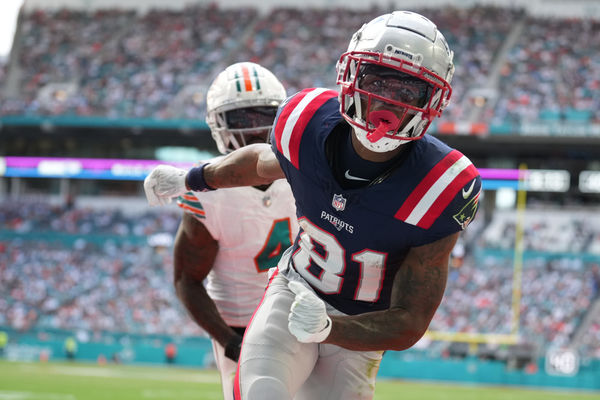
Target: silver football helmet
x=241 y=105
x=394 y=79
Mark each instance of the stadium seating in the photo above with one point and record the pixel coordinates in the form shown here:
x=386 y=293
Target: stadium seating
x=83 y=269
x=545 y=72
x=121 y=64
x=105 y=270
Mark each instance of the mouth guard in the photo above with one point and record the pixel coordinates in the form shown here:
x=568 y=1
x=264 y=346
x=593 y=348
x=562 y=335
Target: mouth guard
x=378 y=133
x=385 y=121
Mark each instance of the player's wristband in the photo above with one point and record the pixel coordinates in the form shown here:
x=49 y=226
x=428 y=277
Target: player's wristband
x=194 y=180
x=233 y=348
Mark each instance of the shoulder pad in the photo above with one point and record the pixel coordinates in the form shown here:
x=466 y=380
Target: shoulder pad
x=437 y=190
x=294 y=114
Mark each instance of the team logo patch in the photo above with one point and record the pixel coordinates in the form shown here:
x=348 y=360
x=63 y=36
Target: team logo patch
x=467 y=213
x=338 y=202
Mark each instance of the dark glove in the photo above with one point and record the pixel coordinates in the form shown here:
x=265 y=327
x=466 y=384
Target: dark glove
x=233 y=347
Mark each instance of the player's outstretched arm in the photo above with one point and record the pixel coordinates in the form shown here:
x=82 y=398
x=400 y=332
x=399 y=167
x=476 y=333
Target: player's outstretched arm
x=418 y=289
x=251 y=165
x=194 y=254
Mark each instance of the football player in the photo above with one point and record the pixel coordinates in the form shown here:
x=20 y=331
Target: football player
x=232 y=237
x=380 y=206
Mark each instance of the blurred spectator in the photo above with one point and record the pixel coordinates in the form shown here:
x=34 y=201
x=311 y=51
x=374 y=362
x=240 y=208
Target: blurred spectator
x=70 y=348
x=596 y=280
x=170 y=353
x=3 y=342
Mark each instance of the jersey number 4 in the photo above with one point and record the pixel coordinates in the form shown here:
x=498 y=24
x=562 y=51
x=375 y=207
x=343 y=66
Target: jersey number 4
x=278 y=240
x=332 y=264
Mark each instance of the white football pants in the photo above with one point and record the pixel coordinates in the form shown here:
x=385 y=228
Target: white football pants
x=274 y=365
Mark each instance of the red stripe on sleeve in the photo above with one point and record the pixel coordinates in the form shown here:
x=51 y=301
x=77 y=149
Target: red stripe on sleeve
x=440 y=204
x=432 y=176
x=285 y=114
x=304 y=119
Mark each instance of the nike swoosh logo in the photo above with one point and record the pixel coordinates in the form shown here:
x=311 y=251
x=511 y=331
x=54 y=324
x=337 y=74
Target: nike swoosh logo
x=467 y=193
x=354 y=178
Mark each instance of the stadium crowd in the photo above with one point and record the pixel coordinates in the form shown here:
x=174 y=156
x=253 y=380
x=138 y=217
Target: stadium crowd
x=118 y=63
x=549 y=75
x=559 y=277
x=570 y=230
x=100 y=270
x=93 y=270
x=554 y=296
x=591 y=337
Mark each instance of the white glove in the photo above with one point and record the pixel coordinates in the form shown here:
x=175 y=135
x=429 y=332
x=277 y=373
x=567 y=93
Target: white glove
x=308 y=319
x=164 y=183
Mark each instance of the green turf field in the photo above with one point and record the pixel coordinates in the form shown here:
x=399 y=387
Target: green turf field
x=72 y=381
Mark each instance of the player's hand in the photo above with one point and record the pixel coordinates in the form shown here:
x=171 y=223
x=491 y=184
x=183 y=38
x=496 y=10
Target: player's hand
x=233 y=348
x=308 y=319
x=163 y=184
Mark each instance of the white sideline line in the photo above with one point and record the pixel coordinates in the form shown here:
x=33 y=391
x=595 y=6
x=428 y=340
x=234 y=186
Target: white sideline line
x=10 y=395
x=119 y=373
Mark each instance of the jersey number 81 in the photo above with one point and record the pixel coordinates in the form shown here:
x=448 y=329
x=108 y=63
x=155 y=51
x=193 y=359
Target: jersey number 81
x=332 y=264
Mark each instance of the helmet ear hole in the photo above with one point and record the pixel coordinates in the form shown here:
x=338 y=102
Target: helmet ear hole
x=352 y=110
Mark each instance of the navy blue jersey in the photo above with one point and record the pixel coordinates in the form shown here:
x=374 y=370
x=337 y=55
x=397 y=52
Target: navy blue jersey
x=352 y=242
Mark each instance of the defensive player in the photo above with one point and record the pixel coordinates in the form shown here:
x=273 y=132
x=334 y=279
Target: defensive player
x=233 y=236
x=380 y=206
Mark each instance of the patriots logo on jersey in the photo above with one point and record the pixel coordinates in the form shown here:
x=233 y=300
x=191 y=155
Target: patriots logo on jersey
x=467 y=213
x=338 y=202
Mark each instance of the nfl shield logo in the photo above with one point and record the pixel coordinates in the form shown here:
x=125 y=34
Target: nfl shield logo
x=338 y=202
